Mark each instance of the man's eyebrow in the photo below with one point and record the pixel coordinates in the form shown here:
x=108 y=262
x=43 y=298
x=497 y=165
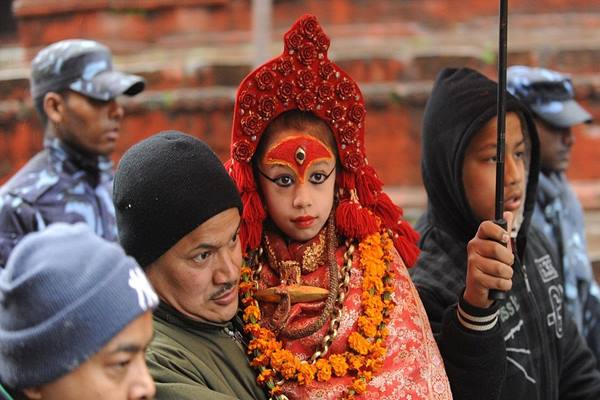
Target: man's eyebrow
x=131 y=347
x=127 y=348
x=212 y=246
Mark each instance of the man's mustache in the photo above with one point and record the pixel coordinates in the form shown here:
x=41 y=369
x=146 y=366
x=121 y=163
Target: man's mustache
x=223 y=289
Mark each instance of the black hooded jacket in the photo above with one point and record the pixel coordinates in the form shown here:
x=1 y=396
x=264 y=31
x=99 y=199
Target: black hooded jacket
x=535 y=352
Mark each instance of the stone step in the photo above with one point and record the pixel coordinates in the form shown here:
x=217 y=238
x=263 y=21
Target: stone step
x=192 y=76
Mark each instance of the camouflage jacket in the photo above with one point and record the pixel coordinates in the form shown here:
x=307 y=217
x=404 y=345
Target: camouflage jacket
x=57 y=185
x=559 y=215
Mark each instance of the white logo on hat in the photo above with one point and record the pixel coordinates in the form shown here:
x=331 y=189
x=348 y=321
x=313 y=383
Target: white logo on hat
x=147 y=297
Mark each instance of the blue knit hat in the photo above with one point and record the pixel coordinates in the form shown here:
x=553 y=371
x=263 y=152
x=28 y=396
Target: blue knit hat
x=64 y=294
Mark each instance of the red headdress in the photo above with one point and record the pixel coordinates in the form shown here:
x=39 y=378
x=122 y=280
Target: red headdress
x=304 y=78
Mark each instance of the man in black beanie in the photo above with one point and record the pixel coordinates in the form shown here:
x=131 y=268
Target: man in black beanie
x=178 y=214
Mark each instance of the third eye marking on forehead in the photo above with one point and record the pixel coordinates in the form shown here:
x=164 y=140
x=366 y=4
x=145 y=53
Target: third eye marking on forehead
x=298 y=153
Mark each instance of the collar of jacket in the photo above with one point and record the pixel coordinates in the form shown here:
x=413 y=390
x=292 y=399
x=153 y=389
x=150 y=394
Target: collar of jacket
x=550 y=186
x=169 y=314
x=68 y=160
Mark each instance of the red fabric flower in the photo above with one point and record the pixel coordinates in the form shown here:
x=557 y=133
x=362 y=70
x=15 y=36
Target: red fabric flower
x=247 y=100
x=348 y=134
x=337 y=113
x=307 y=53
x=251 y=125
x=305 y=100
x=306 y=79
x=285 y=66
x=324 y=92
x=285 y=91
x=294 y=40
x=357 y=113
x=322 y=42
x=345 y=90
x=310 y=27
x=326 y=70
x=266 y=106
x=265 y=79
x=353 y=160
x=243 y=151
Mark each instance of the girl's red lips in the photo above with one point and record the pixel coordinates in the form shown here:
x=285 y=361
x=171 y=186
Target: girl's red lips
x=304 y=221
x=304 y=218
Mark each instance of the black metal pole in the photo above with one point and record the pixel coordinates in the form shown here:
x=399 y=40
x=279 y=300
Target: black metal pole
x=501 y=112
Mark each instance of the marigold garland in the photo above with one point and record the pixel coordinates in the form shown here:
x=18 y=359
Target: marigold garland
x=367 y=349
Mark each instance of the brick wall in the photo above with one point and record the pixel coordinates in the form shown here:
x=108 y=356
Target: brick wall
x=194 y=52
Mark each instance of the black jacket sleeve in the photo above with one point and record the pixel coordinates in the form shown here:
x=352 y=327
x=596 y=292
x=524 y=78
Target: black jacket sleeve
x=475 y=361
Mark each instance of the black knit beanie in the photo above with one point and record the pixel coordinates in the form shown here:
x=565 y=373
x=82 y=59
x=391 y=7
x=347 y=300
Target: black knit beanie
x=165 y=187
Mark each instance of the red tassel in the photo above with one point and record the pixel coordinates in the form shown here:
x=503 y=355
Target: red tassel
x=407 y=249
x=354 y=221
x=242 y=175
x=253 y=213
x=406 y=230
x=405 y=240
x=368 y=185
x=252 y=220
x=385 y=209
x=345 y=180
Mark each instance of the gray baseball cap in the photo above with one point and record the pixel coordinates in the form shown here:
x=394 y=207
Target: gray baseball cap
x=549 y=94
x=84 y=66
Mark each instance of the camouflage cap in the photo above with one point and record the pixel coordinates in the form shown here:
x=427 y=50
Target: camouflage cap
x=548 y=94
x=84 y=66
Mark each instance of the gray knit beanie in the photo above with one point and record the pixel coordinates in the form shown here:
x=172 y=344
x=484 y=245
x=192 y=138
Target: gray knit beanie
x=165 y=187
x=64 y=294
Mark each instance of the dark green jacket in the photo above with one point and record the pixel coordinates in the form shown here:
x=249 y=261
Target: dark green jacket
x=198 y=360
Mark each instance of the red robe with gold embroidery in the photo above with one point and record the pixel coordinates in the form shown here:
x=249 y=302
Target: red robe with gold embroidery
x=413 y=368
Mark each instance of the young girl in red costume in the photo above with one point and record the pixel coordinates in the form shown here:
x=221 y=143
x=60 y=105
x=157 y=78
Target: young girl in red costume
x=327 y=300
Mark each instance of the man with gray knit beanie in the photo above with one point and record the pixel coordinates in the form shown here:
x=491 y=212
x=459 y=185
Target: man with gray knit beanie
x=178 y=214
x=75 y=318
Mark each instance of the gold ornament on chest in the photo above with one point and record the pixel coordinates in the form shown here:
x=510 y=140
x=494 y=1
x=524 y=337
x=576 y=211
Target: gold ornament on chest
x=290 y=274
x=317 y=259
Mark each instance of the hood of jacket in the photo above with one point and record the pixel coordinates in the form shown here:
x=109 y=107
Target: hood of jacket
x=461 y=103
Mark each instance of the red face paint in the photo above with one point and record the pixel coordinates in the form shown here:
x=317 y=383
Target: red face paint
x=298 y=153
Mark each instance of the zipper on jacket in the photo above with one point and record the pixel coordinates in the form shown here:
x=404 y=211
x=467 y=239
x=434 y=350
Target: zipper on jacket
x=541 y=330
x=236 y=337
x=524 y=269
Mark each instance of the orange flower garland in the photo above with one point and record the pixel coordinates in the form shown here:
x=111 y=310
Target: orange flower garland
x=367 y=349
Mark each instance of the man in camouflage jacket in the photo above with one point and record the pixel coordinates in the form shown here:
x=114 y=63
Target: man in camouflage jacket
x=74 y=89
x=558 y=213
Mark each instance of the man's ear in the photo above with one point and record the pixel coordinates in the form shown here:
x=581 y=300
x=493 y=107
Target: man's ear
x=54 y=106
x=33 y=393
